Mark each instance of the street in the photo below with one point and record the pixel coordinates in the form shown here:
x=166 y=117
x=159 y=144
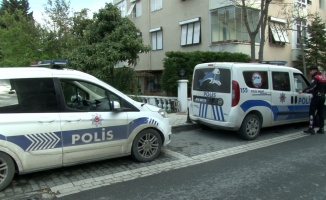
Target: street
x=281 y=161
x=290 y=170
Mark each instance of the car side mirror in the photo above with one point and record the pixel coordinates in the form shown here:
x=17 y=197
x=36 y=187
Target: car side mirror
x=116 y=105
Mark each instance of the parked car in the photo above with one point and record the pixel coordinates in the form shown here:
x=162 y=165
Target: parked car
x=59 y=117
x=245 y=97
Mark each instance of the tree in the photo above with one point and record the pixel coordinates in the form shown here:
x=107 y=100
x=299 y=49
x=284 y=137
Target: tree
x=58 y=24
x=108 y=40
x=253 y=27
x=80 y=22
x=19 y=42
x=315 y=51
x=12 y=5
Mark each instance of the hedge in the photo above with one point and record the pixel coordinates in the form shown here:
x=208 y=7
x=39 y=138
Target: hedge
x=175 y=61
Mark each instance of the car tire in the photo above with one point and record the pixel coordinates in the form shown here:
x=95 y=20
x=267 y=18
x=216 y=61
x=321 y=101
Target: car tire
x=250 y=127
x=7 y=170
x=146 y=145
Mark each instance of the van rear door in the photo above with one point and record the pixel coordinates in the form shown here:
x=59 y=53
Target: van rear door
x=211 y=91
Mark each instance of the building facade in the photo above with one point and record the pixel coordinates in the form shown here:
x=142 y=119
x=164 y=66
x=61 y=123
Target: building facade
x=213 y=25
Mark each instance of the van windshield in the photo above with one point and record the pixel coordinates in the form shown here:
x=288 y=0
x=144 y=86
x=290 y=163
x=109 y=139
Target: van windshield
x=212 y=79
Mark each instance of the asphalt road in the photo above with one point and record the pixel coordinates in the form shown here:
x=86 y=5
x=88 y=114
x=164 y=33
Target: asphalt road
x=294 y=169
x=197 y=164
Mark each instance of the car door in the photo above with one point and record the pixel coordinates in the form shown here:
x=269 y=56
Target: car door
x=211 y=92
x=92 y=128
x=282 y=96
x=30 y=122
x=301 y=101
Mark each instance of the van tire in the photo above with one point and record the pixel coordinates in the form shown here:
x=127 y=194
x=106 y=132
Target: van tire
x=250 y=127
x=146 y=145
x=7 y=170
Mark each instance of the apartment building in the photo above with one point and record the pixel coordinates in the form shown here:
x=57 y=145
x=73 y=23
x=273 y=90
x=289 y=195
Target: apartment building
x=213 y=25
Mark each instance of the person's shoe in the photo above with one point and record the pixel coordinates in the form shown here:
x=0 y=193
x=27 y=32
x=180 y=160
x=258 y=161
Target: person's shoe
x=309 y=131
x=321 y=131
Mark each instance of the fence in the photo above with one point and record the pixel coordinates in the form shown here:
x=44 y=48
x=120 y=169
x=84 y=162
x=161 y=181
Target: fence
x=169 y=104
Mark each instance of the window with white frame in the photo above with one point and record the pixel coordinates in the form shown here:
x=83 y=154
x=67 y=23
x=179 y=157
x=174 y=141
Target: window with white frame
x=302 y=26
x=302 y=3
x=122 y=7
x=156 y=5
x=227 y=24
x=190 y=31
x=277 y=31
x=135 y=9
x=157 y=38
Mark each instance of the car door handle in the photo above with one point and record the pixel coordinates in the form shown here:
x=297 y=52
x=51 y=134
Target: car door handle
x=46 y=121
x=73 y=120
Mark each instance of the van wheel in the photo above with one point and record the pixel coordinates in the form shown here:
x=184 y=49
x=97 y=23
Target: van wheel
x=146 y=145
x=250 y=127
x=7 y=170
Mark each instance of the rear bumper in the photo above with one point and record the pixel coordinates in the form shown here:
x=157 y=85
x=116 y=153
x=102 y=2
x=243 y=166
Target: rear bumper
x=215 y=124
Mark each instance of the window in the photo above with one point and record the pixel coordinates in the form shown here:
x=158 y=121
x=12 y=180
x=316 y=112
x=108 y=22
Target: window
x=300 y=82
x=156 y=5
x=213 y=80
x=28 y=96
x=190 y=31
x=256 y=79
x=84 y=96
x=122 y=7
x=322 y=4
x=277 y=31
x=157 y=38
x=302 y=3
x=281 y=81
x=227 y=24
x=135 y=9
x=300 y=26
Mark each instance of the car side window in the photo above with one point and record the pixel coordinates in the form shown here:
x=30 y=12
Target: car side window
x=281 y=81
x=256 y=79
x=300 y=82
x=34 y=95
x=85 y=96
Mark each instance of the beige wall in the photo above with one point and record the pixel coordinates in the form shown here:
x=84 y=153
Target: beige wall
x=168 y=18
x=174 y=11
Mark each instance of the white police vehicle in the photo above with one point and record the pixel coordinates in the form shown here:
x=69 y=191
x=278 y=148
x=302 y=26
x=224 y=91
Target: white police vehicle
x=52 y=118
x=245 y=97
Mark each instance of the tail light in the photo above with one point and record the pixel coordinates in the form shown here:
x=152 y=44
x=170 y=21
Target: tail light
x=235 y=93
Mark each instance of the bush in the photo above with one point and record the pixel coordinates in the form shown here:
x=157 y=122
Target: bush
x=175 y=61
x=124 y=80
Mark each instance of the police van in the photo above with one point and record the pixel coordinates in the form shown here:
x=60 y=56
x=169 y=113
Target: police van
x=52 y=118
x=245 y=97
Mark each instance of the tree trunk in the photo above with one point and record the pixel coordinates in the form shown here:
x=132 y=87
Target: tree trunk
x=302 y=52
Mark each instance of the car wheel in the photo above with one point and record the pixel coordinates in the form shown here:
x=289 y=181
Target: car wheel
x=250 y=127
x=146 y=145
x=7 y=170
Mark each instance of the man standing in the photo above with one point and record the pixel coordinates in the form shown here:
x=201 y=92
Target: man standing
x=317 y=88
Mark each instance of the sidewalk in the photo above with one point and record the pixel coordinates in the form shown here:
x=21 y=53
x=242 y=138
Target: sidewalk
x=179 y=123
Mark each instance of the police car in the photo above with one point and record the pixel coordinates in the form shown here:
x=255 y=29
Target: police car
x=59 y=117
x=246 y=97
